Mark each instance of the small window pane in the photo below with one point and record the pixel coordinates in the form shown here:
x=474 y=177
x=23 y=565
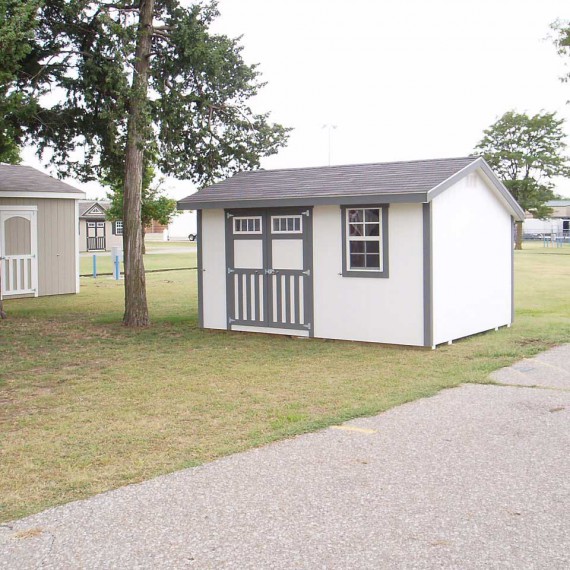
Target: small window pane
x=257 y=225
x=372 y=229
x=275 y=224
x=356 y=260
x=372 y=246
x=297 y=224
x=372 y=215
x=373 y=261
x=355 y=215
x=356 y=229
x=357 y=246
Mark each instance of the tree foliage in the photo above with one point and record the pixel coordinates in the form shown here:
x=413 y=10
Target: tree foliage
x=561 y=29
x=115 y=80
x=155 y=206
x=527 y=152
x=199 y=119
x=17 y=23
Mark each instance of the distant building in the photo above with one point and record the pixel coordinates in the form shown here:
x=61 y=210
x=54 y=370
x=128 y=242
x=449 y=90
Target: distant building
x=39 y=246
x=96 y=233
x=557 y=224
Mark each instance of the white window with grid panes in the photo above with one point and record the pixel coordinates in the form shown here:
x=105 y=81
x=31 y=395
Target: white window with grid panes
x=286 y=224
x=247 y=225
x=119 y=228
x=364 y=239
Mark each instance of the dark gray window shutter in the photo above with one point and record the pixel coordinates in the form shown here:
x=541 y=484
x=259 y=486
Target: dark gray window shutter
x=114 y=228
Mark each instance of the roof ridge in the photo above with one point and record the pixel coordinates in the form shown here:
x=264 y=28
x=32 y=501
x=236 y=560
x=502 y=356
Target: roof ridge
x=332 y=166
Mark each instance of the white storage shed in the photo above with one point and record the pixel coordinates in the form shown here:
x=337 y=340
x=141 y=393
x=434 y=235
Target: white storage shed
x=392 y=253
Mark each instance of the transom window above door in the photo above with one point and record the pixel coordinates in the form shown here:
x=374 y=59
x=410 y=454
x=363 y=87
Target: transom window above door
x=365 y=241
x=247 y=225
x=286 y=224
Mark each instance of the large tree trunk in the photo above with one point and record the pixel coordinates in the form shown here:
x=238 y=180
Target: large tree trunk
x=518 y=235
x=136 y=309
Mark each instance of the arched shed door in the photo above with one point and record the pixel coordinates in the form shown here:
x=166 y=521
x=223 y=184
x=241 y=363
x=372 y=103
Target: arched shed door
x=18 y=252
x=269 y=268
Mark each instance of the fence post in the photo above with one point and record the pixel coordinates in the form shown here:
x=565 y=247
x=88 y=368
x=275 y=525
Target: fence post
x=94 y=265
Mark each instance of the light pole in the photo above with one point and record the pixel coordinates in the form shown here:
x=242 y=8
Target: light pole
x=330 y=128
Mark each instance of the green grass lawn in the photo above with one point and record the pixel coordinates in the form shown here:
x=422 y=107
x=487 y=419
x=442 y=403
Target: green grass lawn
x=88 y=405
x=160 y=255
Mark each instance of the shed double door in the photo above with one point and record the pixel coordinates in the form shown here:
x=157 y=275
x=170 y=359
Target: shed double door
x=96 y=236
x=269 y=268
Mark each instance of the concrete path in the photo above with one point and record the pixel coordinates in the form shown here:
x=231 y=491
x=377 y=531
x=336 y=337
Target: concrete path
x=475 y=477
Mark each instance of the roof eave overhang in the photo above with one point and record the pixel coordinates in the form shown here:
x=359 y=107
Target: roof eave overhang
x=281 y=202
x=56 y=195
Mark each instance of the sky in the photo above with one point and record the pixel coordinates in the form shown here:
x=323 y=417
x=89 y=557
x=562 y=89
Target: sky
x=392 y=79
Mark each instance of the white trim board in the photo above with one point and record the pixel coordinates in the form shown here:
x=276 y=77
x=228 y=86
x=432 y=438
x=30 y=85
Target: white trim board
x=269 y=330
x=25 y=207
x=59 y=195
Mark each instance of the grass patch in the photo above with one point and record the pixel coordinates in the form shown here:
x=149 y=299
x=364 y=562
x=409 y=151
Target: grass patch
x=159 y=255
x=88 y=405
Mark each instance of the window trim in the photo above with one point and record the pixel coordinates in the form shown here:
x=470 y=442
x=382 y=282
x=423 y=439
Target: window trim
x=346 y=271
x=288 y=232
x=247 y=233
x=118 y=230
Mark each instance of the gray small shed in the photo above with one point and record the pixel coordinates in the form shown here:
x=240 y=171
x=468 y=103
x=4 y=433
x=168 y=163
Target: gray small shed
x=390 y=252
x=39 y=233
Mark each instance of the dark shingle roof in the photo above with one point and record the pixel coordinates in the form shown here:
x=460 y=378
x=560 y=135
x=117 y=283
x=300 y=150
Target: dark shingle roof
x=404 y=178
x=18 y=178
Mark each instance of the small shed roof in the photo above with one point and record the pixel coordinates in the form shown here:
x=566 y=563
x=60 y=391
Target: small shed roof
x=17 y=181
x=410 y=181
x=558 y=203
x=86 y=205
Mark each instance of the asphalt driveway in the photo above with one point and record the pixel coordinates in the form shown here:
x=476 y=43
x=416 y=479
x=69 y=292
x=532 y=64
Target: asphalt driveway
x=475 y=477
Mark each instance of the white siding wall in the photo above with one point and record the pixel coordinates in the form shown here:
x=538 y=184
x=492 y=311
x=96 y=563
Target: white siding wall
x=214 y=265
x=472 y=241
x=368 y=309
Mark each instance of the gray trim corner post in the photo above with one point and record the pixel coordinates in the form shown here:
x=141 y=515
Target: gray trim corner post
x=428 y=274
x=200 y=270
x=512 y=242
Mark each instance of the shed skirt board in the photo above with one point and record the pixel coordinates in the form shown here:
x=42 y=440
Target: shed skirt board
x=18 y=252
x=269 y=269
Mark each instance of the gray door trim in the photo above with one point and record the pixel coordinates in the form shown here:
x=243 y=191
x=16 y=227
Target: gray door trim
x=428 y=274
x=280 y=285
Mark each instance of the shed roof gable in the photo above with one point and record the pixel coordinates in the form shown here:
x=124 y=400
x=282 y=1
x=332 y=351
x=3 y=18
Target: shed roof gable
x=93 y=208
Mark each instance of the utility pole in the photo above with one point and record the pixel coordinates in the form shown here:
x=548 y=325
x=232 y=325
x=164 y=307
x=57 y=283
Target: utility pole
x=330 y=129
